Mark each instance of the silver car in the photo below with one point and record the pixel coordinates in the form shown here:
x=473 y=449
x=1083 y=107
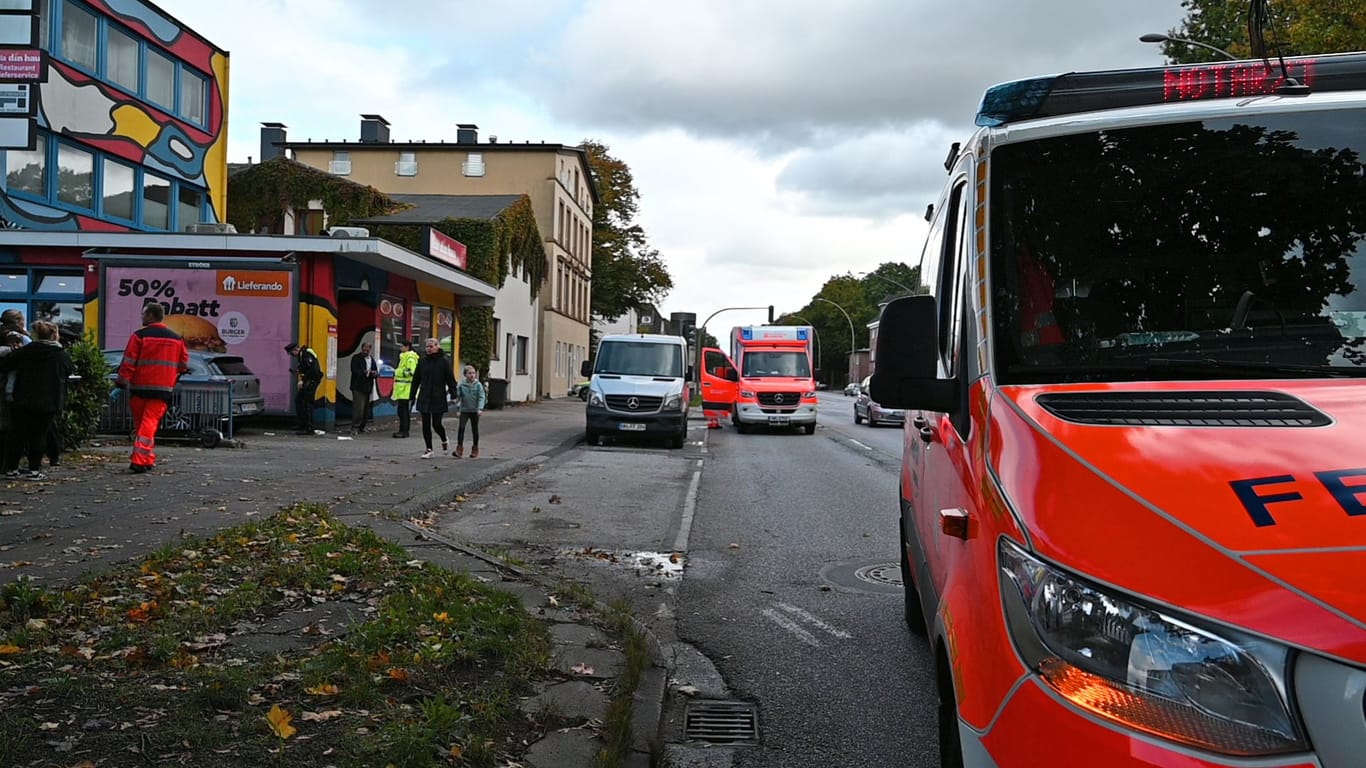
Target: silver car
x=213 y=366
x=866 y=408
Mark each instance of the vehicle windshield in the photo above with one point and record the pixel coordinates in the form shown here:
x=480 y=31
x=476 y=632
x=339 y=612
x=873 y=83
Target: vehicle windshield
x=232 y=366
x=640 y=358
x=1214 y=249
x=782 y=364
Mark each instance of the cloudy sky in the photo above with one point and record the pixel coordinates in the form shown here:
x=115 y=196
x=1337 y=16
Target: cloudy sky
x=775 y=143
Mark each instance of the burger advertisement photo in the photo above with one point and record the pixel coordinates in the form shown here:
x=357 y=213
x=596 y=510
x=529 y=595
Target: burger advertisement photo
x=219 y=309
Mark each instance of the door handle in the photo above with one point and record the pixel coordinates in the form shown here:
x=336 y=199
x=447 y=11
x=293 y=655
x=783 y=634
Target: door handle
x=920 y=422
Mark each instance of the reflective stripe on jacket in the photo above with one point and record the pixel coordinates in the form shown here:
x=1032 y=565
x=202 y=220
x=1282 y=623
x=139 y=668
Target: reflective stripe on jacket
x=153 y=361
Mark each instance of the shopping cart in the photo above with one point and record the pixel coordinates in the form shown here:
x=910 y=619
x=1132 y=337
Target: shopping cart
x=199 y=411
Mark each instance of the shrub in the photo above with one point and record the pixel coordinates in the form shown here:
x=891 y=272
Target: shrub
x=86 y=397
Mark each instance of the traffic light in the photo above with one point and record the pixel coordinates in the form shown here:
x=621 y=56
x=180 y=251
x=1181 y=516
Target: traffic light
x=770 y=314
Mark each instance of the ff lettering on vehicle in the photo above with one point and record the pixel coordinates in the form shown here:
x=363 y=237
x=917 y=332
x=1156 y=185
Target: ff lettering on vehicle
x=1257 y=503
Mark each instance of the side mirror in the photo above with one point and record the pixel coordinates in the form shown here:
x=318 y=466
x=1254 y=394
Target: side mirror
x=585 y=369
x=907 y=374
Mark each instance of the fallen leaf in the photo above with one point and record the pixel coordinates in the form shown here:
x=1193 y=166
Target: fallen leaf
x=279 y=722
x=555 y=499
x=554 y=601
x=318 y=717
x=581 y=669
x=9 y=650
x=399 y=674
x=324 y=689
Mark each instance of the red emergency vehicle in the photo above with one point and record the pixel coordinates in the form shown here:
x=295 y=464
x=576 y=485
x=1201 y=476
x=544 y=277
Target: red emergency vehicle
x=767 y=380
x=1133 y=491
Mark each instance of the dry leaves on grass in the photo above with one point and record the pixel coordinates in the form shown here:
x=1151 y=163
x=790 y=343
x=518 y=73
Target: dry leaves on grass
x=279 y=720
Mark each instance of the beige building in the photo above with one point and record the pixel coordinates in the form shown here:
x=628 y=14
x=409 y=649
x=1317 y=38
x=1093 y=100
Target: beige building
x=555 y=177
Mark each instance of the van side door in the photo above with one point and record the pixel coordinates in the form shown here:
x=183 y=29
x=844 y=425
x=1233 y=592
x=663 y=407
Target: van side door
x=720 y=380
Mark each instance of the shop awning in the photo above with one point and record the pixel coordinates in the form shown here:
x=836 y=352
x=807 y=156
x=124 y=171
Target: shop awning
x=373 y=251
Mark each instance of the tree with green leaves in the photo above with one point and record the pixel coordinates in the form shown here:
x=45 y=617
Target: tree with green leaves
x=627 y=273
x=1296 y=27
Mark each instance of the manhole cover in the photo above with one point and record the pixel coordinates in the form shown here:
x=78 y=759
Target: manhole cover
x=877 y=577
x=721 y=722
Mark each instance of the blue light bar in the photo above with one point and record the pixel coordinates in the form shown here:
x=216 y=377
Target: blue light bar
x=1090 y=91
x=801 y=334
x=747 y=334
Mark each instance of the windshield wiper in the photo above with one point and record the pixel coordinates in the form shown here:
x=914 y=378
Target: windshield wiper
x=1213 y=364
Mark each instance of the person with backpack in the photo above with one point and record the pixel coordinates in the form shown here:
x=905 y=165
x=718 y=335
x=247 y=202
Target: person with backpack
x=470 y=398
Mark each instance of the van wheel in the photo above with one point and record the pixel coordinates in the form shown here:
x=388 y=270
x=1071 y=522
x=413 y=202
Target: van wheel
x=915 y=615
x=950 y=745
x=591 y=436
x=676 y=441
x=210 y=438
x=740 y=426
x=583 y=394
x=809 y=429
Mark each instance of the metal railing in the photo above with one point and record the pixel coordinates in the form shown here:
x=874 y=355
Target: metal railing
x=200 y=411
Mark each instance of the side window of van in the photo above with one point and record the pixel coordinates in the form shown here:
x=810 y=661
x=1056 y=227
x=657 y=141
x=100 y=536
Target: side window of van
x=940 y=267
x=957 y=258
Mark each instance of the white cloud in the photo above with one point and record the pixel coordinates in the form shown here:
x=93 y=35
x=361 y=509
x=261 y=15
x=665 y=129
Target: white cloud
x=775 y=143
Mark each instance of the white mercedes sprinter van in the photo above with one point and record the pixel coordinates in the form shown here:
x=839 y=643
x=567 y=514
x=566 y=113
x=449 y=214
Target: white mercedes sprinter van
x=639 y=386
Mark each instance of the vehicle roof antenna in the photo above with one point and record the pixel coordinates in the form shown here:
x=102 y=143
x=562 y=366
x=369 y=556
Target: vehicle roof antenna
x=1259 y=19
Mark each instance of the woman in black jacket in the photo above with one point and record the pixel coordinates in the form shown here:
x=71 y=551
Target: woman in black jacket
x=40 y=372
x=433 y=384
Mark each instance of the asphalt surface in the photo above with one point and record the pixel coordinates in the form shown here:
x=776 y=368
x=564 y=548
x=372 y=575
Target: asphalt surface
x=91 y=514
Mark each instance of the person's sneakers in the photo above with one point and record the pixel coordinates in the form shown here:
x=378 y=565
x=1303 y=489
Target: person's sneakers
x=459 y=451
x=36 y=475
x=400 y=434
x=139 y=469
x=319 y=433
x=474 y=452
x=12 y=473
x=445 y=446
x=427 y=454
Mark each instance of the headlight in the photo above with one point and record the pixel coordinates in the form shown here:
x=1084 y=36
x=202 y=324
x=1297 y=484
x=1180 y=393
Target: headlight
x=810 y=394
x=673 y=403
x=595 y=398
x=746 y=393
x=1214 y=689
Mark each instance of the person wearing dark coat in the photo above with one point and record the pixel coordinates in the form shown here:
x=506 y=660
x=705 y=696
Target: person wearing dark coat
x=433 y=385
x=40 y=373
x=364 y=373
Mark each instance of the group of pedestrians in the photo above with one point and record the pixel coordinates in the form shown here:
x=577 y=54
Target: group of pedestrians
x=34 y=368
x=425 y=383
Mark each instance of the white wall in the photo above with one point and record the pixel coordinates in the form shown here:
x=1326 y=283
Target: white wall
x=516 y=313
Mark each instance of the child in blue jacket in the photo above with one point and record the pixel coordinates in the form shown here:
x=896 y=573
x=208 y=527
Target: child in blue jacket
x=469 y=401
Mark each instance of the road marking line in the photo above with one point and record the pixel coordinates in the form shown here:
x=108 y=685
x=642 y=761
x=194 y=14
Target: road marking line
x=689 y=509
x=791 y=626
x=814 y=621
x=861 y=445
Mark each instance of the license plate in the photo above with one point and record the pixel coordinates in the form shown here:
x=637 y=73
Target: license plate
x=248 y=407
x=631 y=426
x=779 y=419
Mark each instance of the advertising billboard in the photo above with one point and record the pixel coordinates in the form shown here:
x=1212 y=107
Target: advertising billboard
x=218 y=309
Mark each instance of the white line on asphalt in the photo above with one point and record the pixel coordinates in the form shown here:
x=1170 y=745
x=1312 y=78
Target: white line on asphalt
x=814 y=621
x=861 y=445
x=791 y=626
x=689 y=509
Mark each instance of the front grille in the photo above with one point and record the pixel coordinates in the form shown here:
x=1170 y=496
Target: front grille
x=634 y=403
x=1184 y=409
x=780 y=399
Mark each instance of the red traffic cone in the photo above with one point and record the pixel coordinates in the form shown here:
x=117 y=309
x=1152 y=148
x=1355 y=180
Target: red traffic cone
x=713 y=421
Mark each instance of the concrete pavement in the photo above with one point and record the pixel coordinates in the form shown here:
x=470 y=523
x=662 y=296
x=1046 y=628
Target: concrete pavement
x=91 y=513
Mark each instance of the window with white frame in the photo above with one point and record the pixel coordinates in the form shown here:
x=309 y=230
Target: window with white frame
x=473 y=165
x=406 y=165
x=340 y=163
x=523 y=347
x=497 y=334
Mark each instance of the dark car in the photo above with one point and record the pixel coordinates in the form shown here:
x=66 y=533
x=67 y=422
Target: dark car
x=214 y=367
x=866 y=408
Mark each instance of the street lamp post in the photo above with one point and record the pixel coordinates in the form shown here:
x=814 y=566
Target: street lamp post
x=852 y=345
x=702 y=333
x=814 y=332
x=888 y=280
x=1157 y=37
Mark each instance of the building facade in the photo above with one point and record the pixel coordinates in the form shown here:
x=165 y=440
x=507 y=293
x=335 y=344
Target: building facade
x=123 y=127
x=556 y=178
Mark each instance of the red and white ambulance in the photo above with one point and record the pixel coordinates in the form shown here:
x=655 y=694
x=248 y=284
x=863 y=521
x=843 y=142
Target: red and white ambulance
x=1133 y=494
x=767 y=380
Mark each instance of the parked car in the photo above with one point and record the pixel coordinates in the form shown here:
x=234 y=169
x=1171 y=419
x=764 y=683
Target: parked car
x=213 y=366
x=866 y=408
x=851 y=389
x=580 y=390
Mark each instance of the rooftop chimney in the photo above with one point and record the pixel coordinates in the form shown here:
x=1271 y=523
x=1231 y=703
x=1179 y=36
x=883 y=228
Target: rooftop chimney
x=466 y=133
x=374 y=129
x=271 y=135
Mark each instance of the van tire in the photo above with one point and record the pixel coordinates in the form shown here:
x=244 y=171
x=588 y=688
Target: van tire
x=676 y=441
x=809 y=429
x=950 y=744
x=740 y=426
x=914 y=613
x=591 y=436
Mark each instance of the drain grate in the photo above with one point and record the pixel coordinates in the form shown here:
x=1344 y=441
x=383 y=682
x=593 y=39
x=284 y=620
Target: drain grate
x=721 y=722
x=882 y=573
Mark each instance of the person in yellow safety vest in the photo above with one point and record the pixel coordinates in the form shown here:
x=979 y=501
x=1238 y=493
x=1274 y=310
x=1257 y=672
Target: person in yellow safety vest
x=403 y=386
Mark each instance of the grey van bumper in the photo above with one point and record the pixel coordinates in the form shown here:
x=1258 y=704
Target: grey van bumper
x=607 y=421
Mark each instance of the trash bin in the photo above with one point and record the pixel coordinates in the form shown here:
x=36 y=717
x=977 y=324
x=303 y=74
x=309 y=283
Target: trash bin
x=498 y=393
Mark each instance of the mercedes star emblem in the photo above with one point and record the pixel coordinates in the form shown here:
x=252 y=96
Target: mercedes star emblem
x=633 y=403
x=778 y=398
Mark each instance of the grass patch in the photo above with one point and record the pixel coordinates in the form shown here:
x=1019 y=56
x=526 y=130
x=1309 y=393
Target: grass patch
x=157 y=662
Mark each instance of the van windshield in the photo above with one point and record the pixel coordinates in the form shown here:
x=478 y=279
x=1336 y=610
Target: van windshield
x=783 y=364
x=1212 y=249
x=640 y=358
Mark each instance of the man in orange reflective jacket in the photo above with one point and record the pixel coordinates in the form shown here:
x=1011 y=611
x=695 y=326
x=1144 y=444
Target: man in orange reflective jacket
x=153 y=361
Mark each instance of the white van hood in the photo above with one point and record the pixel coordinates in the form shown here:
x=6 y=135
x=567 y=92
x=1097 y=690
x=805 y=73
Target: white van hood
x=649 y=386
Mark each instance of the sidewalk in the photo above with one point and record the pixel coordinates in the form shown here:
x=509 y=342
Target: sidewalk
x=91 y=513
